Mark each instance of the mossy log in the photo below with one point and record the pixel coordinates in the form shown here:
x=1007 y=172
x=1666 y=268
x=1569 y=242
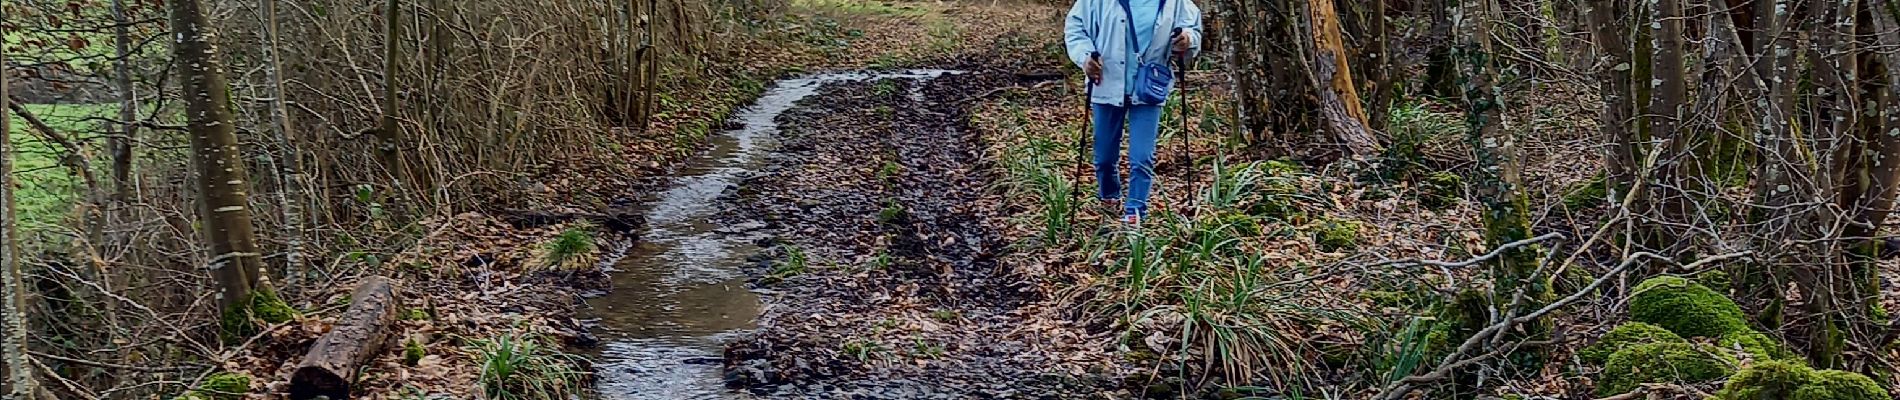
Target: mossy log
x=330 y=366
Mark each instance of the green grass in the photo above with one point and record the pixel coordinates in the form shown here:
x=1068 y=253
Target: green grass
x=47 y=188
x=525 y=367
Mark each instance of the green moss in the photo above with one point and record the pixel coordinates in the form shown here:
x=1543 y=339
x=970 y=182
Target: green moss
x=417 y=314
x=1679 y=363
x=1441 y=189
x=1624 y=336
x=412 y=352
x=1586 y=195
x=1840 y=385
x=1387 y=298
x=1336 y=234
x=220 y=386
x=263 y=307
x=1687 y=308
x=1756 y=345
x=1767 y=380
x=1715 y=279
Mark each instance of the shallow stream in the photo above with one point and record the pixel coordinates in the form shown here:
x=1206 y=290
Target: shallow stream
x=680 y=292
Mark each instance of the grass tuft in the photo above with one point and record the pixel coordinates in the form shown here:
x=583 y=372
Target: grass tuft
x=526 y=367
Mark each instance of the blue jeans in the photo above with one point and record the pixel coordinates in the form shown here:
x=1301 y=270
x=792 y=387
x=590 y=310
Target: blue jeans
x=1144 y=123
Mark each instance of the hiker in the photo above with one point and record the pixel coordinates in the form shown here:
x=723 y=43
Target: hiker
x=1124 y=46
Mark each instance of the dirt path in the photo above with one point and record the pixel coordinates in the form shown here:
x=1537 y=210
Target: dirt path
x=886 y=280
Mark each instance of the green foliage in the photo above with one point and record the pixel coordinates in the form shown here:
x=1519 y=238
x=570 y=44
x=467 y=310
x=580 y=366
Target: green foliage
x=1035 y=171
x=1680 y=363
x=889 y=170
x=892 y=213
x=1413 y=126
x=263 y=307
x=862 y=349
x=525 y=367
x=1625 y=336
x=220 y=386
x=1686 y=308
x=412 y=352
x=416 y=314
x=573 y=249
x=1334 y=234
x=884 y=87
x=1757 y=345
x=792 y=265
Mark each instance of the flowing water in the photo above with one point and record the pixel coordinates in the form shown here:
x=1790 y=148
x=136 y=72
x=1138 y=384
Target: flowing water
x=680 y=293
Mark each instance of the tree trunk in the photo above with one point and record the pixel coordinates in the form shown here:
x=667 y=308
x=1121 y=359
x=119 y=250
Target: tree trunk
x=390 y=142
x=1614 y=68
x=1340 y=107
x=330 y=366
x=18 y=381
x=1439 y=69
x=291 y=197
x=1506 y=214
x=223 y=184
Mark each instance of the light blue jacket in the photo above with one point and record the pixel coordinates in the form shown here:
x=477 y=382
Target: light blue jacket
x=1100 y=26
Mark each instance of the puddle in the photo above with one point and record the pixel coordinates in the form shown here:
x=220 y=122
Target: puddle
x=680 y=293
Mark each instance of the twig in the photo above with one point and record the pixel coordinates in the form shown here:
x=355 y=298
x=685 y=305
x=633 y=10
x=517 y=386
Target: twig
x=106 y=365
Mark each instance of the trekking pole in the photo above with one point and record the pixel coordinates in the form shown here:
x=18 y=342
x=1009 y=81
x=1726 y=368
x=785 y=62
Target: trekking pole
x=1187 y=149
x=1082 y=144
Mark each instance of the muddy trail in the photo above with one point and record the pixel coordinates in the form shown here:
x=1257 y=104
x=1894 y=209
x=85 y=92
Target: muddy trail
x=840 y=240
x=885 y=279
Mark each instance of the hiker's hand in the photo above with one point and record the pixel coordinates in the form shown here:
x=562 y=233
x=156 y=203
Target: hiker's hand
x=1094 y=69
x=1181 y=45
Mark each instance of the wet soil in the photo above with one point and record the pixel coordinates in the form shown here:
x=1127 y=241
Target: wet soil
x=883 y=278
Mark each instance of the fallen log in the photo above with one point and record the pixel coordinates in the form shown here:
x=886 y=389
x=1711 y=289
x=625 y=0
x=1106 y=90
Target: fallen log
x=329 y=368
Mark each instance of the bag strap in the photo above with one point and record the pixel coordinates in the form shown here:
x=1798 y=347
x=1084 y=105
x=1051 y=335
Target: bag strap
x=1130 y=13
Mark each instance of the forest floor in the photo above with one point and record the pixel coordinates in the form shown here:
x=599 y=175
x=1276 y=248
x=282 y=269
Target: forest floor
x=918 y=244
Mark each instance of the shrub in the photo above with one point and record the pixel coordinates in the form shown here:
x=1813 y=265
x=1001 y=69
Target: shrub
x=1624 y=336
x=1686 y=308
x=1680 y=363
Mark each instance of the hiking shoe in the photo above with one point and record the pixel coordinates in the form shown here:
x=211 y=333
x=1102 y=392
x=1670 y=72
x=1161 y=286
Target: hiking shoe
x=1131 y=220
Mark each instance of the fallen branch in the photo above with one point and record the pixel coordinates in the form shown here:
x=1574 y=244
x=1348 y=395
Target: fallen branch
x=331 y=365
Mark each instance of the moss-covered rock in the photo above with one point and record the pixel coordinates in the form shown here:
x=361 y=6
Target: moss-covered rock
x=1624 y=336
x=220 y=386
x=1679 y=363
x=1790 y=380
x=1840 y=385
x=1757 y=345
x=1334 y=234
x=1715 y=279
x=1687 y=308
x=1767 y=380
